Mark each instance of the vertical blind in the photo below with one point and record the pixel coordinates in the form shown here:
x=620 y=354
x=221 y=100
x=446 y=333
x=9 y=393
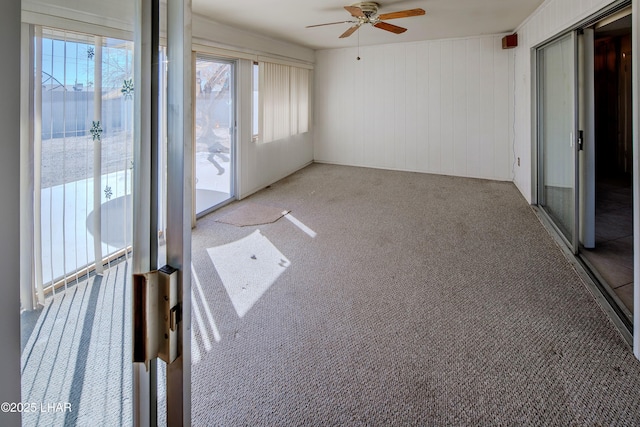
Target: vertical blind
x=284 y=101
x=299 y=100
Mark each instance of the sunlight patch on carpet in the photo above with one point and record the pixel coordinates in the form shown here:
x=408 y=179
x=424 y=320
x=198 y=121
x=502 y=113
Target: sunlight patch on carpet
x=248 y=267
x=207 y=308
x=295 y=221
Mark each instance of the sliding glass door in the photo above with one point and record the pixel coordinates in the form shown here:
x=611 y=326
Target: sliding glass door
x=76 y=309
x=214 y=133
x=583 y=181
x=557 y=135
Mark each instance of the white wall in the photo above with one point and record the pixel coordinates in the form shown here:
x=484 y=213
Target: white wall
x=439 y=106
x=10 y=208
x=551 y=18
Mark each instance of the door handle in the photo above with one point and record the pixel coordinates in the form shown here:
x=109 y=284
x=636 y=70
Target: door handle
x=580 y=140
x=156 y=314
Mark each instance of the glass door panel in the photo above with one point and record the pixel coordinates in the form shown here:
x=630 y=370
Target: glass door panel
x=214 y=133
x=556 y=133
x=76 y=325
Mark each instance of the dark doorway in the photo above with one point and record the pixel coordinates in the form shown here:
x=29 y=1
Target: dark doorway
x=612 y=257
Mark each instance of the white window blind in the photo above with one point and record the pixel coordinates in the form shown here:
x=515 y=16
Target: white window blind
x=284 y=101
x=299 y=100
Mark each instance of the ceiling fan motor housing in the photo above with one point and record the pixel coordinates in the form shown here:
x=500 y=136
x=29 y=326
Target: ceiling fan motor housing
x=369 y=8
x=366 y=12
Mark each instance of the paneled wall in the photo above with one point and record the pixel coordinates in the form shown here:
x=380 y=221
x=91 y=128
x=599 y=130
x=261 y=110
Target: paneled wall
x=441 y=107
x=551 y=18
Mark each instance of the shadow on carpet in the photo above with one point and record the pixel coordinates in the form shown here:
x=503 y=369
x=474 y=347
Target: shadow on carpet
x=252 y=213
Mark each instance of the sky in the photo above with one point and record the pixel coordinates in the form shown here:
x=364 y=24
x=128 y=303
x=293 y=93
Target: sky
x=72 y=62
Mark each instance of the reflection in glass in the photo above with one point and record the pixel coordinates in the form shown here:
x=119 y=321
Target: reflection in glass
x=213 y=133
x=556 y=80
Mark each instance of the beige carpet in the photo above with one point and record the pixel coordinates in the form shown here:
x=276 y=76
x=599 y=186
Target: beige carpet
x=415 y=300
x=251 y=213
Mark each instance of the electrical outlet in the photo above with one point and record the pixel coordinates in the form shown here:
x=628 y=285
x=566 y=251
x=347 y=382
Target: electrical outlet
x=518 y=161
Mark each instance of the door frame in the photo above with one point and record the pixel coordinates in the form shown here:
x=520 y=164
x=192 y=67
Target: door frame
x=233 y=92
x=178 y=197
x=635 y=64
x=573 y=242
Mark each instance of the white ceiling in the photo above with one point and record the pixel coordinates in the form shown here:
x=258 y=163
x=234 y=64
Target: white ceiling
x=287 y=19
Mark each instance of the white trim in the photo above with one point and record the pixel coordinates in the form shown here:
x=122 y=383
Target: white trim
x=280 y=61
x=27 y=296
x=614 y=17
x=205 y=46
x=388 y=168
x=37 y=168
x=77 y=21
x=97 y=160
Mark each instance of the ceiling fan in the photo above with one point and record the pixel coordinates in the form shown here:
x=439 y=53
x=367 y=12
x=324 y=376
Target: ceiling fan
x=366 y=12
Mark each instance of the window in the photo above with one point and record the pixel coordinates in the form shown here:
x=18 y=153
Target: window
x=283 y=101
x=84 y=137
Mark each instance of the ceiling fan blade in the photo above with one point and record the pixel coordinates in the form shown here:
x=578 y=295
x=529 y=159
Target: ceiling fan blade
x=402 y=14
x=330 y=23
x=355 y=11
x=350 y=31
x=389 y=27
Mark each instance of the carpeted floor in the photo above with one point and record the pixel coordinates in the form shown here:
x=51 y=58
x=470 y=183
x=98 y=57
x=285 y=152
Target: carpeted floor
x=76 y=351
x=406 y=299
